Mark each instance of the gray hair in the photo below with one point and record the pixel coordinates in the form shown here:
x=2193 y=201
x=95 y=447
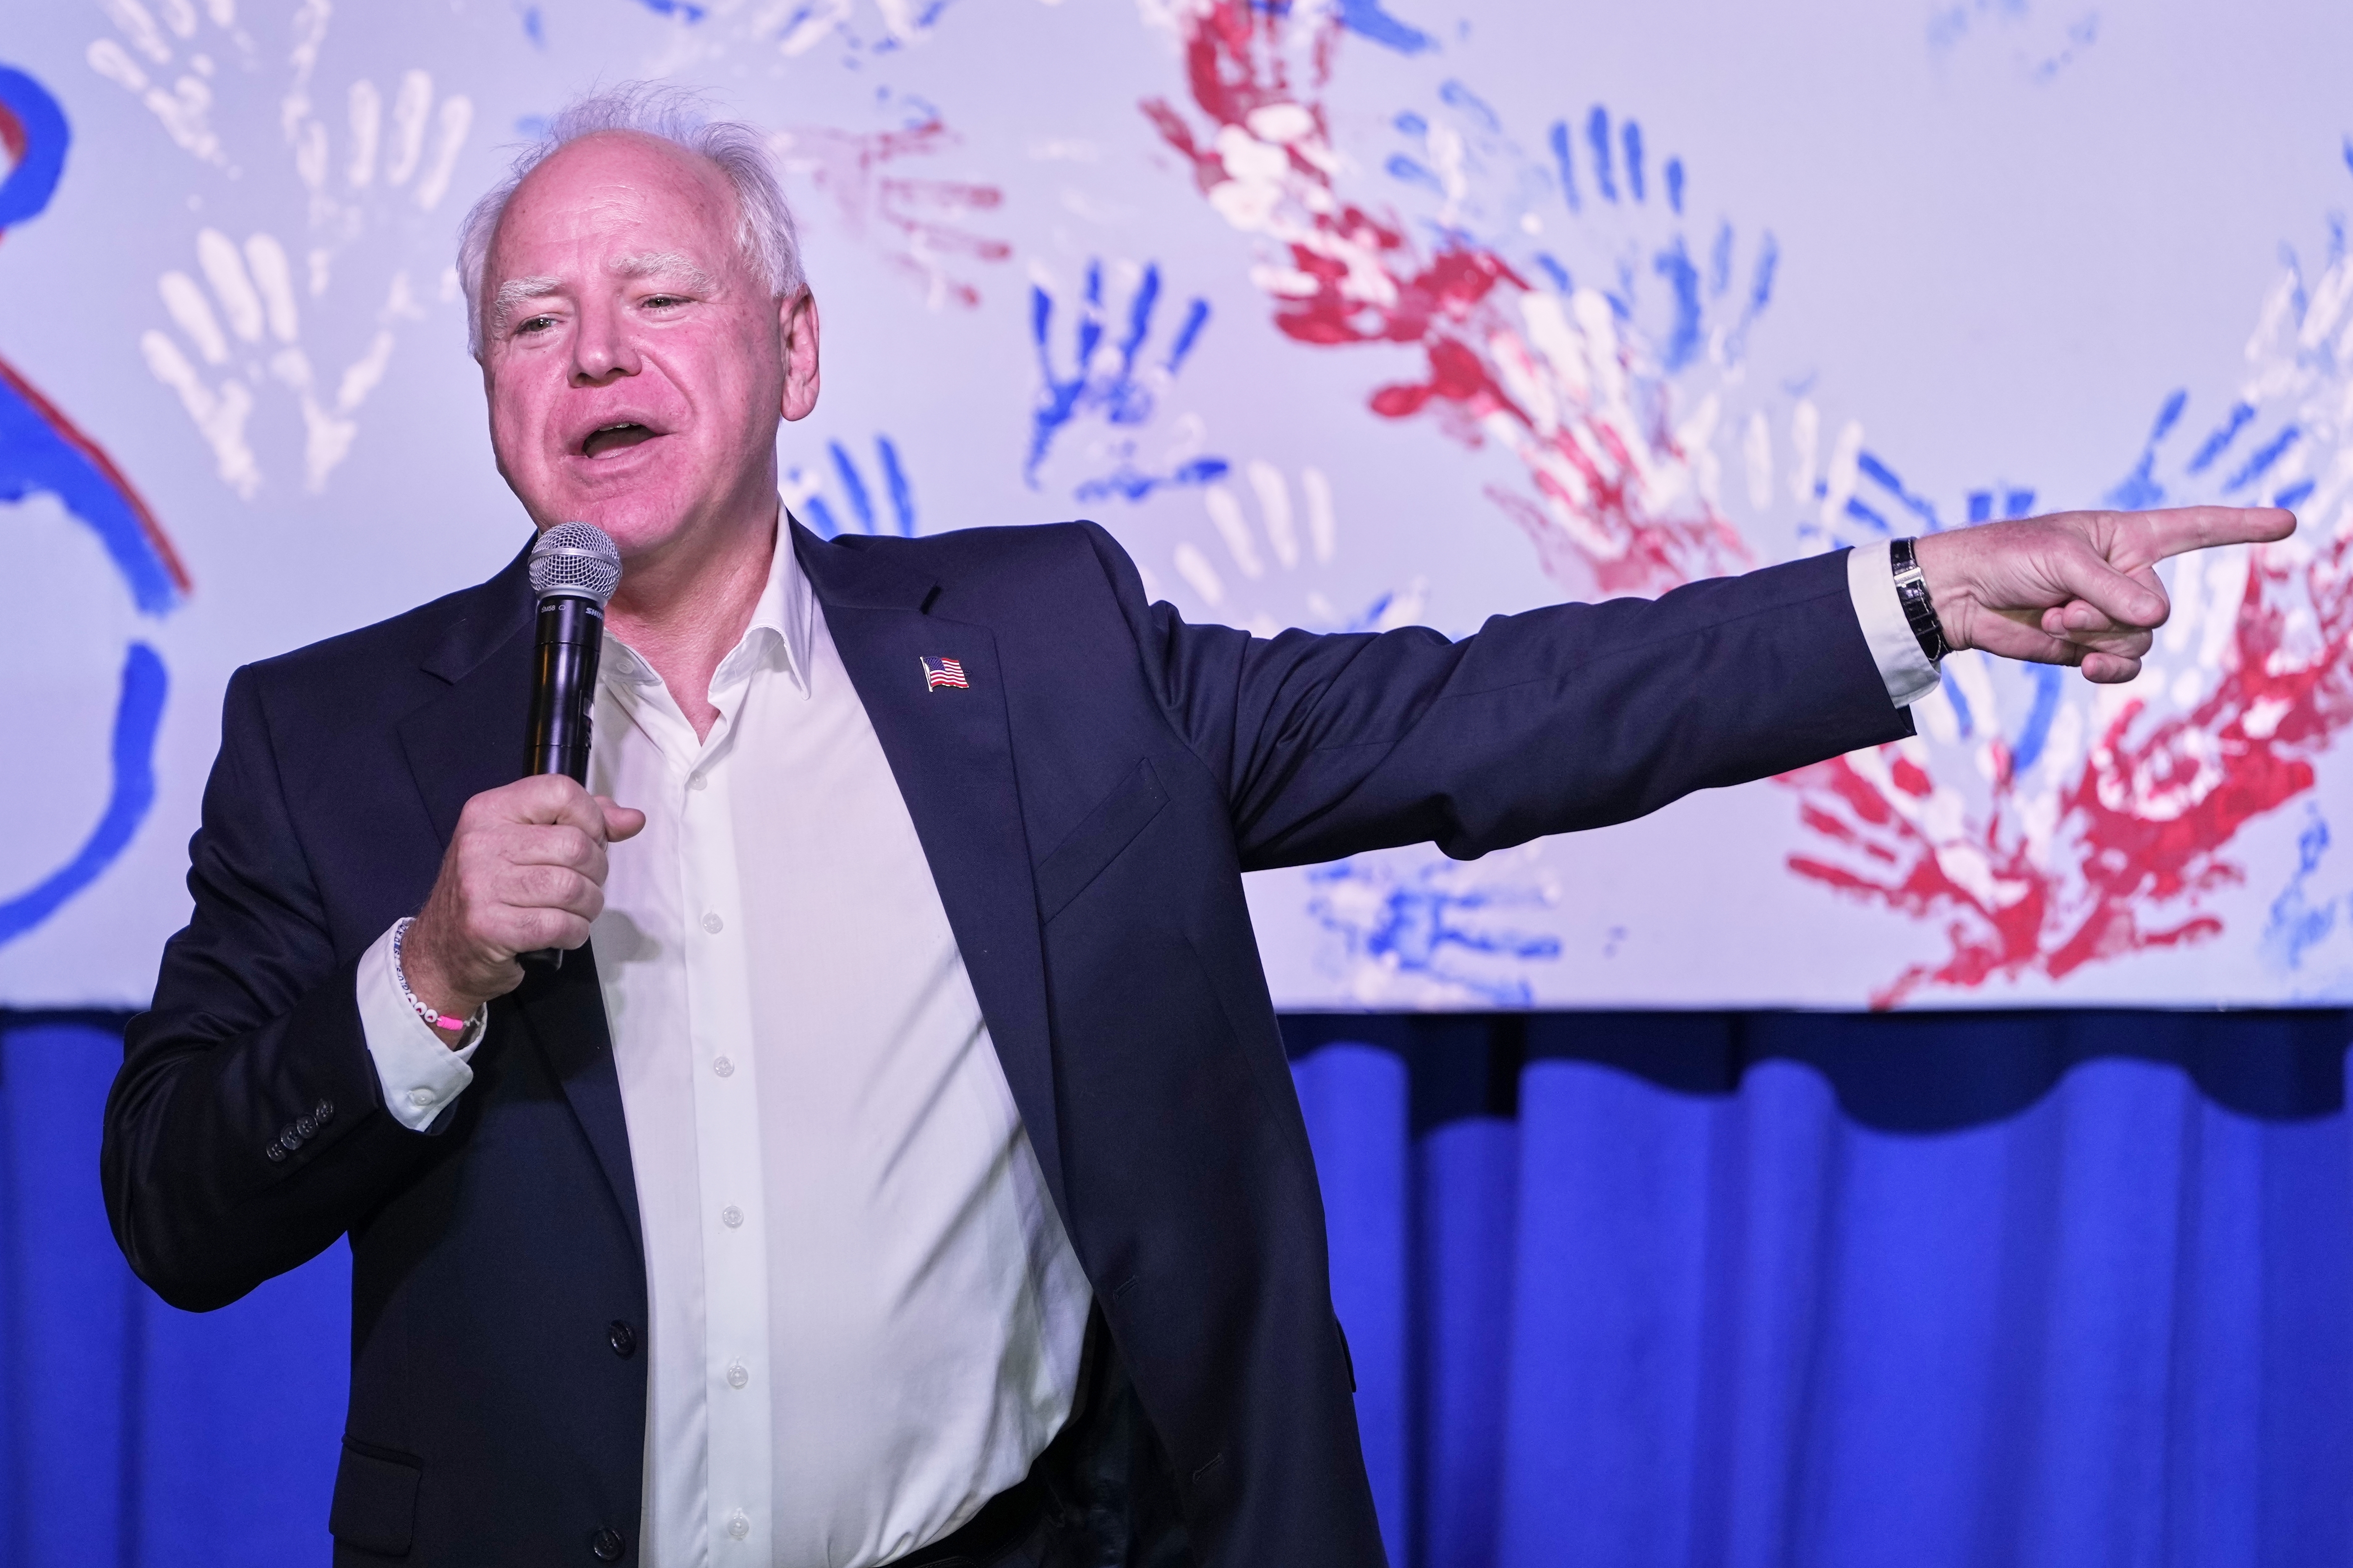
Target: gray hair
x=672 y=114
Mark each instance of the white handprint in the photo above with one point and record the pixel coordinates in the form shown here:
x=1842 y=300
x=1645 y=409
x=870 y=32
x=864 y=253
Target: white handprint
x=249 y=291
x=239 y=330
x=1296 y=534
x=416 y=150
x=184 y=109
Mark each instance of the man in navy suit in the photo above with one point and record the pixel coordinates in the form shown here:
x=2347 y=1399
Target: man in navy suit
x=908 y=1171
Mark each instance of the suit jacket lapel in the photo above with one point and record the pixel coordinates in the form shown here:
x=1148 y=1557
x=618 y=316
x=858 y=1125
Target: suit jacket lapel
x=471 y=738
x=951 y=751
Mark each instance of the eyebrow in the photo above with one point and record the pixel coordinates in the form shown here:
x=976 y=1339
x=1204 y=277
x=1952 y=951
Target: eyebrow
x=655 y=263
x=515 y=291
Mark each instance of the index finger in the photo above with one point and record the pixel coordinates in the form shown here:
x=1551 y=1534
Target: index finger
x=2144 y=538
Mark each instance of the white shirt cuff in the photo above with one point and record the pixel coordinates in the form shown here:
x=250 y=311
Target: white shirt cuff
x=1871 y=582
x=421 y=1076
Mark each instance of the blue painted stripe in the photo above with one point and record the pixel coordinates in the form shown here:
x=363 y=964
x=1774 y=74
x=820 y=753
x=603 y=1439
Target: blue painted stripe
x=1366 y=19
x=1461 y=96
x=1960 y=703
x=34 y=455
x=2254 y=467
x=138 y=714
x=1400 y=167
x=2240 y=415
x=1197 y=315
x=1682 y=278
x=1597 y=136
x=1139 y=317
x=34 y=180
x=2037 y=732
x=1564 y=164
x=1862 y=513
x=853 y=486
x=1880 y=474
x=1768 y=263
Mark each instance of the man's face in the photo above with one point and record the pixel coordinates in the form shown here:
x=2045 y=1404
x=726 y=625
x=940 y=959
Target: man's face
x=635 y=365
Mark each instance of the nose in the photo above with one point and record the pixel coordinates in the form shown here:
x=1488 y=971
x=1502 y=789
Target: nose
x=602 y=349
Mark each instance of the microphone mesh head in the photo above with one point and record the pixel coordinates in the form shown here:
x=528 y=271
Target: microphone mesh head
x=576 y=560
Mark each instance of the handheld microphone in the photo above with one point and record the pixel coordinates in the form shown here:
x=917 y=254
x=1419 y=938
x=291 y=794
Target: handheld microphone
x=574 y=568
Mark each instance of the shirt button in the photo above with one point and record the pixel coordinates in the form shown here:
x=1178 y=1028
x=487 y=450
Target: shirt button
x=713 y=924
x=737 y=1525
x=699 y=782
x=723 y=1067
x=421 y=1097
x=732 y=1215
x=737 y=1375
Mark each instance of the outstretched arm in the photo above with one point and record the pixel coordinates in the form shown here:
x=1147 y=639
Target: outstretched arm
x=2076 y=587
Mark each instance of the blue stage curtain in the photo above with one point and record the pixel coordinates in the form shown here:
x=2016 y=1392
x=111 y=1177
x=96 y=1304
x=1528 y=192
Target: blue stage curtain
x=1622 y=1289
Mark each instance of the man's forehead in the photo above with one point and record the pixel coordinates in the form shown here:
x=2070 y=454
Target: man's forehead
x=623 y=194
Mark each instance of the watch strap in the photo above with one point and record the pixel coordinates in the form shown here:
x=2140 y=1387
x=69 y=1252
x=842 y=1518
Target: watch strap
x=1912 y=593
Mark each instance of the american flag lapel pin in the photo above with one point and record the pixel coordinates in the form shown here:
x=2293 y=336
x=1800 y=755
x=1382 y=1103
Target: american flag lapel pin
x=939 y=672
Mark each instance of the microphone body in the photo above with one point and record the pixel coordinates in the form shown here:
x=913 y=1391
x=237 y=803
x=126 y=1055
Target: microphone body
x=564 y=685
x=575 y=569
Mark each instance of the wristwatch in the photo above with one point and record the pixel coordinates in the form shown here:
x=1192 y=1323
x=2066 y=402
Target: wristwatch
x=1912 y=592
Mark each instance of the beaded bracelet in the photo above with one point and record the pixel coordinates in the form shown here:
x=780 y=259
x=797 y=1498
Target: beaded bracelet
x=400 y=977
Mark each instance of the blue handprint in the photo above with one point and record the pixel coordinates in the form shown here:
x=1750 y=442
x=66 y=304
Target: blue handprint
x=1497 y=196
x=1114 y=381
x=1418 y=922
x=856 y=493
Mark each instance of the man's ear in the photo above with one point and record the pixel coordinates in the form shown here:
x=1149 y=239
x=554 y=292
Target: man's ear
x=797 y=320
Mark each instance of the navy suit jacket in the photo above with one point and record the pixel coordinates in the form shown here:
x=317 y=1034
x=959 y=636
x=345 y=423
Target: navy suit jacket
x=1087 y=806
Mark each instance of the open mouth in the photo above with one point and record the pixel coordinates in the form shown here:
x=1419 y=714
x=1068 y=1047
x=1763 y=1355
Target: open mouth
x=614 y=437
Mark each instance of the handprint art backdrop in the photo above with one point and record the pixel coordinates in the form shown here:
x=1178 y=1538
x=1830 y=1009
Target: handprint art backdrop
x=1346 y=314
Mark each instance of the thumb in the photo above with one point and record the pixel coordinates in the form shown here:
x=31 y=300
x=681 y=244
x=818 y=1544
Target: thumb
x=620 y=821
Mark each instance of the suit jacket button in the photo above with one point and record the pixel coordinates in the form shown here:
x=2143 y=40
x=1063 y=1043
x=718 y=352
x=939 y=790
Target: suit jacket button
x=305 y=1126
x=275 y=1152
x=323 y=1112
x=606 y=1545
x=624 y=1338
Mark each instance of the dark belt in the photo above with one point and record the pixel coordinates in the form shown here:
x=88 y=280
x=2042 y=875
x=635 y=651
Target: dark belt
x=1100 y=1493
x=1007 y=1521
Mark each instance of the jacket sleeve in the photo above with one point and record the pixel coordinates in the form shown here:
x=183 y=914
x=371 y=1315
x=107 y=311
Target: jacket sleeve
x=246 y=1130
x=1568 y=717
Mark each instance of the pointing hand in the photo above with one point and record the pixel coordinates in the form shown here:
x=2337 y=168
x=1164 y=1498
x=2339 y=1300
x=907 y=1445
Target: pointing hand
x=2076 y=587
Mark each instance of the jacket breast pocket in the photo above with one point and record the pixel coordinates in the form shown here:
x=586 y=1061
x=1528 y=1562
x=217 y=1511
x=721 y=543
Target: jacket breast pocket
x=1097 y=841
x=376 y=1500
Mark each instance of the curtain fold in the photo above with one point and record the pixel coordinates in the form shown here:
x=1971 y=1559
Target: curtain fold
x=1782 y=1291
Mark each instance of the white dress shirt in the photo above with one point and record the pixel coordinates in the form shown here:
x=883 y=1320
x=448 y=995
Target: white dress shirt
x=865 y=1320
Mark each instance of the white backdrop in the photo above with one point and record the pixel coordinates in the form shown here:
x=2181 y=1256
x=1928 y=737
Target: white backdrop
x=1338 y=314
